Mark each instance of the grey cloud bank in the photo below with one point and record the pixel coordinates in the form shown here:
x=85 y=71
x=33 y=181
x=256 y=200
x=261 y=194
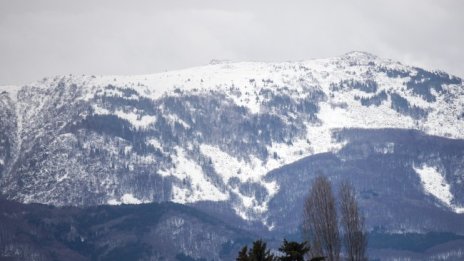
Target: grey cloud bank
x=46 y=38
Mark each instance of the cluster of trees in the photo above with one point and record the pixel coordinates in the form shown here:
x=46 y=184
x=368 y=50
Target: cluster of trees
x=325 y=231
x=290 y=251
x=368 y=86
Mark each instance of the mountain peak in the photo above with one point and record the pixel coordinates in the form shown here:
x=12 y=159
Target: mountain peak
x=219 y=61
x=360 y=54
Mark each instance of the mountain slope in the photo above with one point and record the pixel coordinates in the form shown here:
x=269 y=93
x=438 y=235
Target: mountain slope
x=209 y=133
x=384 y=165
x=164 y=231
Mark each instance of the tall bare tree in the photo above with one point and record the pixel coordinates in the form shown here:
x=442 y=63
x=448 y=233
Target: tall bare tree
x=320 y=226
x=352 y=224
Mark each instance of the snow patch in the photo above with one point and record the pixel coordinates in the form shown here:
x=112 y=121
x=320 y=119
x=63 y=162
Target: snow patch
x=435 y=184
x=63 y=177
x=138 y=121
x=127 y=198
x=135 y=119
x=193 y=185
x=156 y=144
x=173 y=118
x=99 y=110
x=321 y=140
x=253 y=170
x=228 y=166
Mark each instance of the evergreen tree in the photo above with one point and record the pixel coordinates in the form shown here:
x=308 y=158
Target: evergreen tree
x=258 y=252
x=243 y=254
x=293 y=251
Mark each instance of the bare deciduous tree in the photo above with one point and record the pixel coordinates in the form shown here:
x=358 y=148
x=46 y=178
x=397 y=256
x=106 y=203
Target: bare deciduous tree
x=352 y=224
x=320 y=226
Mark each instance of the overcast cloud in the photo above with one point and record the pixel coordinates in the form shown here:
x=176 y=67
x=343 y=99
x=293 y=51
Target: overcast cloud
x=45 y=38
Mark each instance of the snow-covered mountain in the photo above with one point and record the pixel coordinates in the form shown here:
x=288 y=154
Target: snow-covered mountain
x=214 y=133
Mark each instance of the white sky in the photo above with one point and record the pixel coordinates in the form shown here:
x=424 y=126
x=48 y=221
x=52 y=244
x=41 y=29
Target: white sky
x=44 y=38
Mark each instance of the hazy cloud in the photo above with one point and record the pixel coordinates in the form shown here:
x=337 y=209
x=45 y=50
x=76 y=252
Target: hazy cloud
x=44 y=38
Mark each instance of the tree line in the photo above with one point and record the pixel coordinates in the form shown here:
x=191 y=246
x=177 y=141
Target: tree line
x=328 y=226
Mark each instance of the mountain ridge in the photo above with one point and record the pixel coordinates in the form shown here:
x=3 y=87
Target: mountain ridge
x=209 y=133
